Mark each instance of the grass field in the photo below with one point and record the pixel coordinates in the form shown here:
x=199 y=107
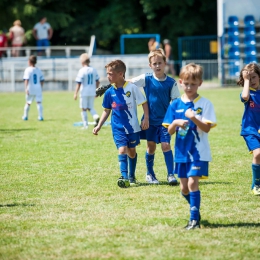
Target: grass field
x=59 y=198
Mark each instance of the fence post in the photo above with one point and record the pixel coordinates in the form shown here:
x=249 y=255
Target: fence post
x=69 y=76
x=12 y=78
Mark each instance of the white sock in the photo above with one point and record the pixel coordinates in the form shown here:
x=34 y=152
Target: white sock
x=40 y=108
x=84 y=117
x=26 y=110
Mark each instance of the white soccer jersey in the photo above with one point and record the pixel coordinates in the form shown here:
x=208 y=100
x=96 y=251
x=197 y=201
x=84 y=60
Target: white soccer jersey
x=87 y=77
x=34 y=76
x=42 y=30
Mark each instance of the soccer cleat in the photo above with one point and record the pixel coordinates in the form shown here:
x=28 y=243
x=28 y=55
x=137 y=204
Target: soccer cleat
x=123 y=183
x=25 y=118
x=256 y=190
x=96 y=122
x=40 y=118
x=134 y=182
x=192 y=224
x=151 y=179
x=172 y=180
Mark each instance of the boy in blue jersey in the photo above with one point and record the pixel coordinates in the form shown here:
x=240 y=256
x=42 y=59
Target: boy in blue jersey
x=122 y=98
x=160 y=90
x=33 y=82
x=191 y=117
x=250 y=96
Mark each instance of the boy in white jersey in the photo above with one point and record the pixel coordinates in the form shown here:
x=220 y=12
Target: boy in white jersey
x=122 y=98
x=160 y=90
x=191 y=117
x=87 y=82
x=33 y=82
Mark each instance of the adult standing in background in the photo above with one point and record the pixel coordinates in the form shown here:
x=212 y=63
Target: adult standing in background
x=3 y=43
x=17 y=37
x=152 y=44
x=169 y=57
x=42 y=32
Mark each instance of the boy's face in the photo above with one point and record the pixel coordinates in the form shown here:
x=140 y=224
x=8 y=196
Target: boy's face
x=190 y=86
x=157 y=64
x=254 y=80
x=114 y=76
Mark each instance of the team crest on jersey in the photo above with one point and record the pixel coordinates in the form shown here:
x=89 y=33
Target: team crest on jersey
x=198 y=111
x=128 y=94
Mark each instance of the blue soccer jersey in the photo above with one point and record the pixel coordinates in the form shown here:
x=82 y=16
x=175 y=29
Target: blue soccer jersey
x=159 y=94
x=251 y=116
x=192 y=145
x=123 y=102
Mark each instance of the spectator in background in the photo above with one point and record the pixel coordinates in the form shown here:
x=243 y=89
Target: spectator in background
x=17 y=37
x=169 y=57
x=3 y=43
x=152 y=44
x=42 y=32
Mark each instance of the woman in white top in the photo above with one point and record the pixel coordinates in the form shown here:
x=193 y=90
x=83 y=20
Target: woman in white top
x=16 y=34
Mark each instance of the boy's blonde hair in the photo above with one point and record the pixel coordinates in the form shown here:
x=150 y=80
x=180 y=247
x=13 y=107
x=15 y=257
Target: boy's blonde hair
x=33 y=59
x=251 y=67
x=117 y=65
x=191 y=70
x=17 y=22
x=158 y=52
x=84 y=58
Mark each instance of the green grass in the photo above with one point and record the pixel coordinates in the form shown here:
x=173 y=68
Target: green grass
x=59 y=198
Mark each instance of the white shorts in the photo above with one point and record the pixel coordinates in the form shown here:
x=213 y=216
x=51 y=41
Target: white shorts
x=29 y=98
x=87 y=102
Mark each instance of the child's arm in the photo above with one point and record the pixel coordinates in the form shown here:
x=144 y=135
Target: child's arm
x=205 y=127
x=145 y=121
x=102 y=120
x=76 y=91
x=26 y=85
x=177 y=123
x=246 y=91
x=42 y=82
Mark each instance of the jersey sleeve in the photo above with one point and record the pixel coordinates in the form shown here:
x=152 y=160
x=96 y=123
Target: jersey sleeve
x=139 y=81
x=169 y=116
x=175 y=93
x=79 y=77
x=107 y=100
x=139 y=96
x=208 y=115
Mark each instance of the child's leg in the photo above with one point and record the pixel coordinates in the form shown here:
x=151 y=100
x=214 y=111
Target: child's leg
x=40 y=109
x=92 y=110
x=184 y=189
x=123 y=163
x=26 y=110
x=193 y=185
x=149 y=157
x=256 y=168
x=132 y=166
x=84 y=117
x=168 y=158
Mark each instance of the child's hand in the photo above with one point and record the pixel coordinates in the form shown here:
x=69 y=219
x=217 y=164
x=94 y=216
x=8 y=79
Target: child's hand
x=181 y=123
x=189 y=113
x=246 y=74
x=75 y=96
x=145 y=124
x=96 y=130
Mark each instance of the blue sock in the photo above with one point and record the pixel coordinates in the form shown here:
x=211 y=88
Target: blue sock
x=132 y=166
x=149 y=158
x=256 y=174
x=186 y=197
x=168 y=157
x=194 y=205
x=122 y=158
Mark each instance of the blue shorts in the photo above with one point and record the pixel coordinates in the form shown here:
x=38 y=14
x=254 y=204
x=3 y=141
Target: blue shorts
x=129 y=140
x=252 y=142
x=197 y=168
x=156 y=133
x=43 y=42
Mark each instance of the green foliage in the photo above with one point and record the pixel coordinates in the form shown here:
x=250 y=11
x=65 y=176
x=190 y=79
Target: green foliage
x=75 y=21
x=59 y=198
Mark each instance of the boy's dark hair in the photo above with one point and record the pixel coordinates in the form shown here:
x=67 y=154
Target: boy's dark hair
x=117 y=65
x=33 y=59
x=251 y=67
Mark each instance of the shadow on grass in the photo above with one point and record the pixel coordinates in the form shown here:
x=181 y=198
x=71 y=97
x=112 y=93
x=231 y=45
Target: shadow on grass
x=207 y=224
x=153 y=184
x=16 y=130
x=214 y=182
x=16 y=205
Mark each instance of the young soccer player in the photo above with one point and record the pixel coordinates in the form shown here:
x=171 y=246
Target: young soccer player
x=160 y=90
x=191 y=117
x=87 y=82
x=33 y=82
x=250 y=80
x=122 y=98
